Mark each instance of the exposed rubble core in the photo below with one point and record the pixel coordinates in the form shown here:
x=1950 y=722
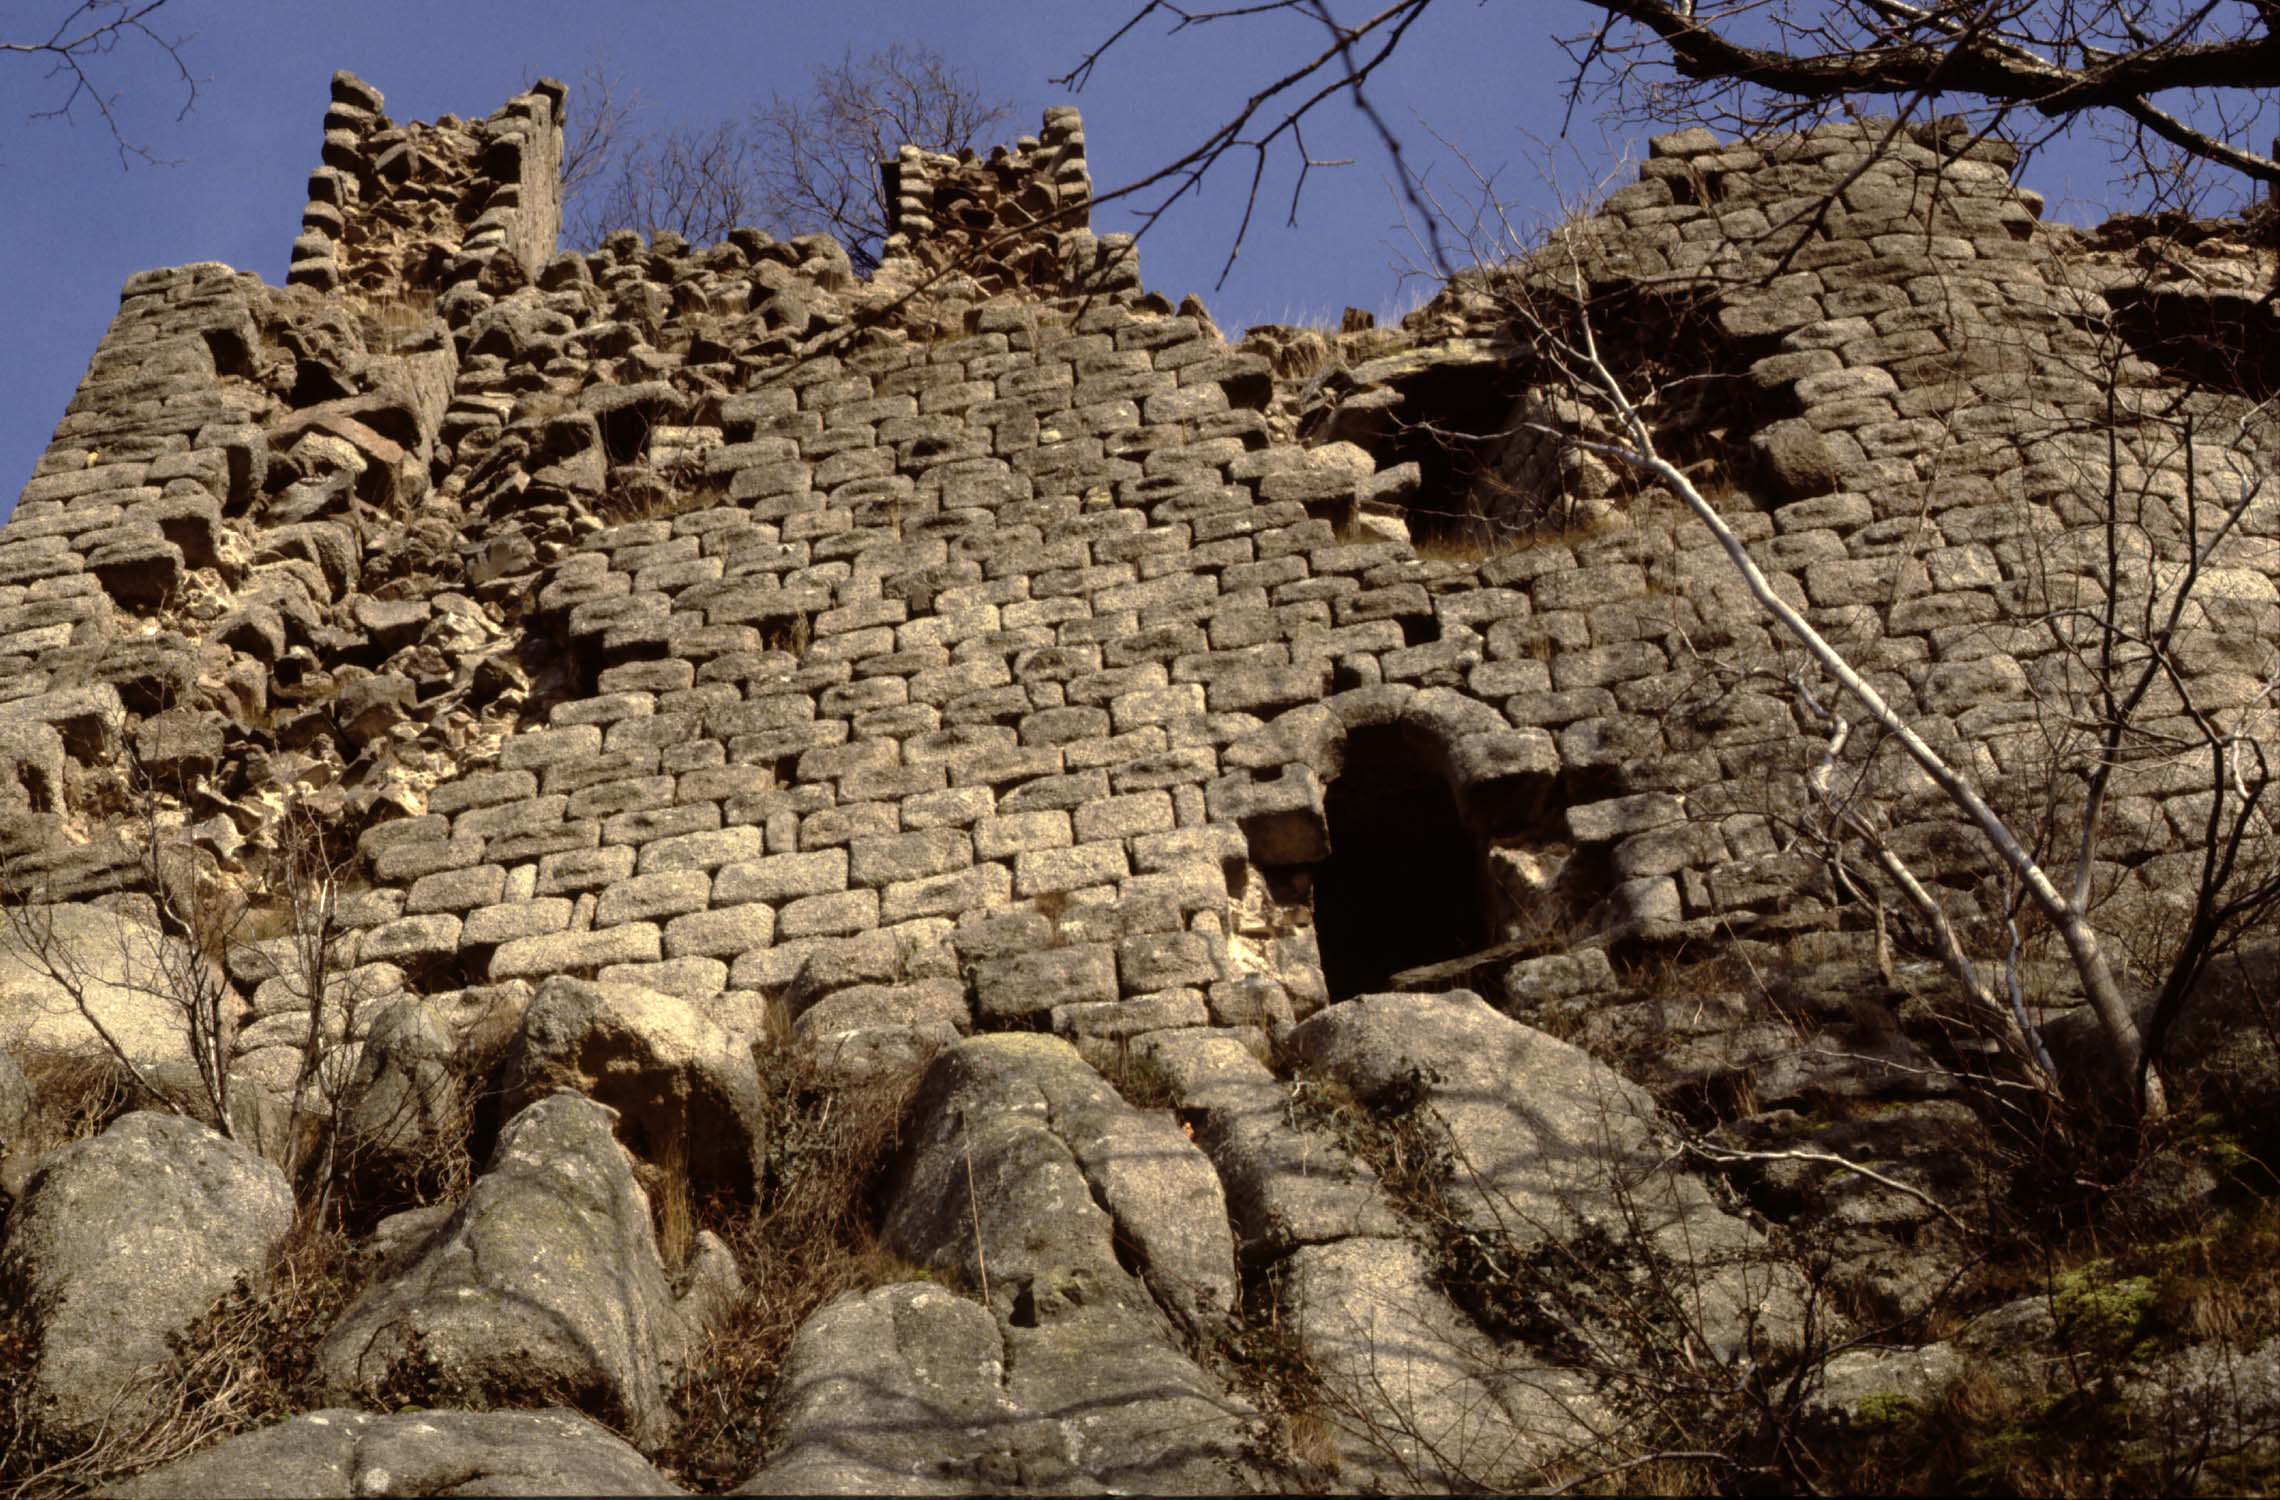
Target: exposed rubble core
x=689 y=654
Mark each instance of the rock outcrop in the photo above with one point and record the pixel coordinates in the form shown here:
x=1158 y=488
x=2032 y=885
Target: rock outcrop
x=545 y=1284
x=118 y=1246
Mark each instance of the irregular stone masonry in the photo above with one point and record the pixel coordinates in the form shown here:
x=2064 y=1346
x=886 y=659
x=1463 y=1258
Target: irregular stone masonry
x=387 y=200
x=968 y=646
x=1009 y=208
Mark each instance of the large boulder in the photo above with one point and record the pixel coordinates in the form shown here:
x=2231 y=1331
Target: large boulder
x=1033 y=1178
x=406 y=1107
x=1547 y=1146
x=900 y=1390
x=677 y=1081
x=339 y=1453
x=1024 y=1141
x=915 y=1390
x=1415 y=1396
x=545 y=1285
x=128 y=974
x=121 y=1243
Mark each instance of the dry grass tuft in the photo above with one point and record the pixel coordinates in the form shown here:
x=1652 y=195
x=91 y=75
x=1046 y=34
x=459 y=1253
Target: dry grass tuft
x=75 y=1094
x=811 y=1237
x=248 y=1363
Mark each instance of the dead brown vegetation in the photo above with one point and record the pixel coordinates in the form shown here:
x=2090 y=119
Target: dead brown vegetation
x=810 y=1236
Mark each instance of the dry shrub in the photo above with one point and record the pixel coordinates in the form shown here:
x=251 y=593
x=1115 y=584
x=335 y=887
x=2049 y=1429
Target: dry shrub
x=672 y=1200
x=249 y=1362
x=75 y=1094
x=643 y=494
x=1259 y=1355
x=811 y=1236
x=252 y=1360
x=1142 y=1081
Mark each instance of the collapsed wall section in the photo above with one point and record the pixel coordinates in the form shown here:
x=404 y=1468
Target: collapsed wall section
x=1003 y=218
x=404 y=210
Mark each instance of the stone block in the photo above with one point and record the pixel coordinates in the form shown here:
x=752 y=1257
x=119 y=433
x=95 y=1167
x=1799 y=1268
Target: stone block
x=572 y=952
x=1116 y=1020
x=979 y=888
x=782 y=877
x=691 y=979
x=836 y=914
x=723 y=932
x=1022 y=986
x=1041 y=872
x=706 y=849
x=640 y=898
x=456 y=890
x=490 y=925
x=1281 y=816
x=412 y=859
x=1620 y=817
x=583 y=870
x=1152 y=961
x=908 y=856
x=1125 y=817
x=481 y=789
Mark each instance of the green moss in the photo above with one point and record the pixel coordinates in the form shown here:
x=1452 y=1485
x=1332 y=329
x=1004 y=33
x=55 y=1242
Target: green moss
x=1884 y=1411
x=2104 y=1315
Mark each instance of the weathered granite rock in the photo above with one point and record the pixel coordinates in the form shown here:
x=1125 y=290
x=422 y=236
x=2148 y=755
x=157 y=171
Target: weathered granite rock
x=1550 y=1144
x=1065 y=1174
x=1421 y=1400
x=122 y=1242
x=545 y=1282
x=406 y=1105
x=127 y=974
x=901 y=1391
x=339 y=1452
x=669 y=1074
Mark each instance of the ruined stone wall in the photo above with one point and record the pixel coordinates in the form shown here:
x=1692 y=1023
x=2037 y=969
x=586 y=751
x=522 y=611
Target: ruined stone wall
x=984 y=662
x=395 y=211
x=973 y=656
x=1002 y=218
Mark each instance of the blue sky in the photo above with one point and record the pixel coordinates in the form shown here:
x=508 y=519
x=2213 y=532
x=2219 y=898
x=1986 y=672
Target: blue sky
x=73 y=225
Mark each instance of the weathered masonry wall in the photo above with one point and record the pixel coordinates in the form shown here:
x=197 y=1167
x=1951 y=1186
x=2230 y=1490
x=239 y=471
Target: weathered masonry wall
x=1001 y=216
x=661 y=613
x=394 y=209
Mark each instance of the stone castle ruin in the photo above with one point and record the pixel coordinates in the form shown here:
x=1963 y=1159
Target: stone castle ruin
x=688 y=651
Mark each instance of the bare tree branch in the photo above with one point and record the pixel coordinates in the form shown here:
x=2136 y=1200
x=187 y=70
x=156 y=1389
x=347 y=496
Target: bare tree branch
x=2194 y=74
x=82 y=49
x=820 y=154
x=602 y=111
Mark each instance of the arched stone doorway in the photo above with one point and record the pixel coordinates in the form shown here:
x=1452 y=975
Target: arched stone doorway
x=1371 y=819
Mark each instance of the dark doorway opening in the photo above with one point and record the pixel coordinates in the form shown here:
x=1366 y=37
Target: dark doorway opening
x=1402 y=885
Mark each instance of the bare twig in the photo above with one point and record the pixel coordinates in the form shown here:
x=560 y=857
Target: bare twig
x=82 y=45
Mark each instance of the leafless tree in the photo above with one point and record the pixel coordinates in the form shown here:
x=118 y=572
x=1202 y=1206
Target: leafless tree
x=800 y=165
x=177 y=965
x=2122 y=593
x=80 y=53
x=698 y=184
x=2180 y=85
x=601 y=110
x=821 y=154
